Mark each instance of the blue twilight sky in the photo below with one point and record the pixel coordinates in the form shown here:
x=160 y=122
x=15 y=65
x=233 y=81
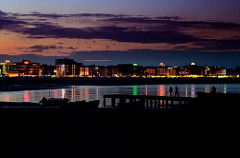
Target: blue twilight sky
x=192 y=9
x=148 y=32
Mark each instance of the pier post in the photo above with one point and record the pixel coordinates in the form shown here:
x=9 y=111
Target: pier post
x=113 y=102
x=104 y=102
x=151 y=103
x=155 y=103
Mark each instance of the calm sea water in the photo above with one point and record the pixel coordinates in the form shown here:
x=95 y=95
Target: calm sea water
x=88 y=93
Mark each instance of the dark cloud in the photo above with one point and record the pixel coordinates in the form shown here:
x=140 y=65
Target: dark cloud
x=119 y=28
x=40 y=48
x=169 y=18
x=9 y=23
x=119 y=34
x=54 y=16
x=173 y=23
x=3 y=14
x=37 y=37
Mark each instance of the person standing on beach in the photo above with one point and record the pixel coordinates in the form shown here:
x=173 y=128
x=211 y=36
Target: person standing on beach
x=176 y=92
x=170 y=91
x=214 y=90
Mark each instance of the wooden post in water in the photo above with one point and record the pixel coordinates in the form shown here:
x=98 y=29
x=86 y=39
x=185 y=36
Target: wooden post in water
x=146 y=103
x=155 y=103
x=104 y=101
x=113 y=102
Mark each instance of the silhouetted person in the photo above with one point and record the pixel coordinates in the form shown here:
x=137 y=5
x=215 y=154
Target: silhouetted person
x=43 y=101
x=214 y=90
x=170 y=91
x=176 y=92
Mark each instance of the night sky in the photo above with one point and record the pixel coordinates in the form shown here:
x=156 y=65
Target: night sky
x=104 y=32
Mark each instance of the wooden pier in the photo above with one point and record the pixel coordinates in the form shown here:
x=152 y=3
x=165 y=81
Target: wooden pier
x=148 y=101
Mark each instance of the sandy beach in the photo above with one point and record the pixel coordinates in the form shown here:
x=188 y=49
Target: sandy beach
x=106 y=132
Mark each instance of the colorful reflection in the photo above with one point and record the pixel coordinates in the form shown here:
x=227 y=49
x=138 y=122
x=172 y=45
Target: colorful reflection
x=207 y=89
x=193 y=91
x=161 y=90
x=135 y=90
x=146 y=90
x=63 y=93
x=26 y=96
x=88 y=93
x=55 y=92
x=225 y=89
x=6 y=97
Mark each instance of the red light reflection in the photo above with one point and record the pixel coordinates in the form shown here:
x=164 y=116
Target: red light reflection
x=161 y=90
x=26 y=96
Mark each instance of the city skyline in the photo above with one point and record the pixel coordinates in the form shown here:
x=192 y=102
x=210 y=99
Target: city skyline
x=111 y=33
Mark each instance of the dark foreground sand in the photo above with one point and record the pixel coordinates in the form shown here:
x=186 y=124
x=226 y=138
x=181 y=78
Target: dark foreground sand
x=115 y=133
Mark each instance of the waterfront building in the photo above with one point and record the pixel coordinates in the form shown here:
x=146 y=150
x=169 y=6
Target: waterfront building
x=171 y=72
x=47 y=70
x=151 y=71
x=113 y=71
x=129 y=70
x=182 y=72
x=70 y=68
x=67 y=67
x=217 y=71
x=8 y=69
x=26 y=68
x=84 y=71
x=161 y=71
x=193 y=70
x=97 y=71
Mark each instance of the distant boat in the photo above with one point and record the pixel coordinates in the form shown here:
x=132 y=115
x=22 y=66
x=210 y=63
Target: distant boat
x=64 y=102
x=54 y=101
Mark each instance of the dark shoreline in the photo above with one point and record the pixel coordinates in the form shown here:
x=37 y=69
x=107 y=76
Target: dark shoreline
x=84 y=133
x=109 y=132
x=29 y=83
x=118 y=133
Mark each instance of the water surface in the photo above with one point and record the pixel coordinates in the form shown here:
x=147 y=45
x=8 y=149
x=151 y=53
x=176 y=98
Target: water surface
x=88 y=93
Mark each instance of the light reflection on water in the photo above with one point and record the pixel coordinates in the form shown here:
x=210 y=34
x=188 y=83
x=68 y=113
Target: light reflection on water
x=88 y=93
